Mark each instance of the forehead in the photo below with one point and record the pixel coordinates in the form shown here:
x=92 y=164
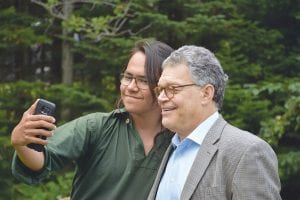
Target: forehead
x=176 y=74
x=136 y=64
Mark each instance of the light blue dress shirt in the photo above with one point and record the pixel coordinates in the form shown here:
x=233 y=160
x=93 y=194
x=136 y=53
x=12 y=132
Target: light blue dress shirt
x=181 y=160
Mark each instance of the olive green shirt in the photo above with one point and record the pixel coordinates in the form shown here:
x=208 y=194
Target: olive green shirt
x=109 y=156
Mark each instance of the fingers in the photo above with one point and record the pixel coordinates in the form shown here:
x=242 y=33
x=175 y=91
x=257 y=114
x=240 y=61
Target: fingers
x=36 y=136
x=45 y=118
x=37 y=132
x=22 y=136
x=39 y=125
x=38 y=140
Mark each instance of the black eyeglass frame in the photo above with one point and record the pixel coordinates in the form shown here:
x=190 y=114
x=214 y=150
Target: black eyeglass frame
x=138 y=81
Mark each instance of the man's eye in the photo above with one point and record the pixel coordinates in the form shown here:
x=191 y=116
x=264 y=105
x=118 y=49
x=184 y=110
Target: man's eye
x=172 y=90
x=159 y=90
x=142 y=80
x=128 y=78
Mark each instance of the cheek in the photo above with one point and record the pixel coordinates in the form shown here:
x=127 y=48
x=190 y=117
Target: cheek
x=185 y=109
x=147 y=94
x=122 y=89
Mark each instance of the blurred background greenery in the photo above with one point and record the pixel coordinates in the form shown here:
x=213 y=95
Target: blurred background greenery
x=71 y=52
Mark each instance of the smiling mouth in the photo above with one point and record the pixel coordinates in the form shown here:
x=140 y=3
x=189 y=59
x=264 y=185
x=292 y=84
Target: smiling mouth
x=133 y=97
x=167 y=109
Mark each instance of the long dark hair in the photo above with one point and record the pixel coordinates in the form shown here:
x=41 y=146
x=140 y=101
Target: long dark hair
x=156 y=52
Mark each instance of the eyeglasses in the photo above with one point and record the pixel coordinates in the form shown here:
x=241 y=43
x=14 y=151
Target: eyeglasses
x=141 y=82
x=170 y=91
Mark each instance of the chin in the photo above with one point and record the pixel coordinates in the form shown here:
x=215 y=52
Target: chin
x=133 y=108
x=167 y=123
x=130 y=107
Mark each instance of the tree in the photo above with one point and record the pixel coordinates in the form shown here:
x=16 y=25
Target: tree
x=19 y=33
x=95 y=28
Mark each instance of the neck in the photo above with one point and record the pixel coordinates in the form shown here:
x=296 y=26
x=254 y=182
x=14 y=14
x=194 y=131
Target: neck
x=188 y=130
x=148 y=126
x=147 y=121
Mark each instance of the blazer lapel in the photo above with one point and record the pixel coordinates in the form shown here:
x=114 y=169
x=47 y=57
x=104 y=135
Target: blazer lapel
x=206 y=152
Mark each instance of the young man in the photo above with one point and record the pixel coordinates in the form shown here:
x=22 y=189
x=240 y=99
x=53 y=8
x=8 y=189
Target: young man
x=211 y=159
x=117 y=154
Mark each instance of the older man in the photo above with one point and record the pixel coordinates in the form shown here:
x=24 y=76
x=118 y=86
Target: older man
x=208 y=158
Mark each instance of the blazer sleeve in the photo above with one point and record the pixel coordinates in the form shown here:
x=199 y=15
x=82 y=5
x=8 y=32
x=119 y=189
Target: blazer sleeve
x=256 y=176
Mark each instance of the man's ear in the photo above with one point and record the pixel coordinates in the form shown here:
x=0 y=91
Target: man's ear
x=208 y=92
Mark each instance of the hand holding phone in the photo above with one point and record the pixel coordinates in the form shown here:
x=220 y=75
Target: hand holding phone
x=43 y=107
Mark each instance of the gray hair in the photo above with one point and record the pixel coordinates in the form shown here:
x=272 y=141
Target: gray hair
x=204 y=68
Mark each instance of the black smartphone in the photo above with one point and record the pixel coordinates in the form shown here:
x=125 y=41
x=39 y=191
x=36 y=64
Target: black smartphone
x=43 y=107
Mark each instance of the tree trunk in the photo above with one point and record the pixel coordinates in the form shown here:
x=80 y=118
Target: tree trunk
x=67 y=61
x=67 y=54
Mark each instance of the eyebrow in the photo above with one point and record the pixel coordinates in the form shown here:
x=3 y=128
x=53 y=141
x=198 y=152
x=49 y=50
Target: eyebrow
x=168 y=84
x=130 y=74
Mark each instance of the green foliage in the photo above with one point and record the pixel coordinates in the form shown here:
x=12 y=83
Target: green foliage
x=16 y=30
x=75 y=23
x=52 y=2
x=251 y=53
x=241 y=101
x=5 y=161
x=56 y=188
x=107 y=22
x=289 y=163
x=287 y=122
x=102 y=54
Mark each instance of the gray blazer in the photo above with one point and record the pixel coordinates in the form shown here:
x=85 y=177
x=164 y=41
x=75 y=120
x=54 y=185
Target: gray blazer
x=231 y=164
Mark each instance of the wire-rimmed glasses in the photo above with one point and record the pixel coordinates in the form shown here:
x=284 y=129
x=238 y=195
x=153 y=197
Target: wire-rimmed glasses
x=171 y=90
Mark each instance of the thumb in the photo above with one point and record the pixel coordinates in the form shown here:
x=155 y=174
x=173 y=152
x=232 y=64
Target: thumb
x=32 y=107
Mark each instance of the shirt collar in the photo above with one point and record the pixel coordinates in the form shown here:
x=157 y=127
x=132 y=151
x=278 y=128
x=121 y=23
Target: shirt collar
x=198 y=134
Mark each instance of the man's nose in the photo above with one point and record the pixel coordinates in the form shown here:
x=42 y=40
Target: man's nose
x=162 y=96
x=133 y=83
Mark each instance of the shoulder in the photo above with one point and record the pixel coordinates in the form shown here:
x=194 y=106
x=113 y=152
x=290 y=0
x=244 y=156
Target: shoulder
x=98 y=115
x=238 y=141
x=100 y=125
x=226 y=134
x=237 y=147
x=237 y=135
x=97 y=119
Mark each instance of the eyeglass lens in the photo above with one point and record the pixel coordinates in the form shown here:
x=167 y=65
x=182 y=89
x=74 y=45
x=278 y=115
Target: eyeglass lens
x=141 y=82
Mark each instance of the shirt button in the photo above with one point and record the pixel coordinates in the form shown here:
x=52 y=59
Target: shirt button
x=127 y=121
